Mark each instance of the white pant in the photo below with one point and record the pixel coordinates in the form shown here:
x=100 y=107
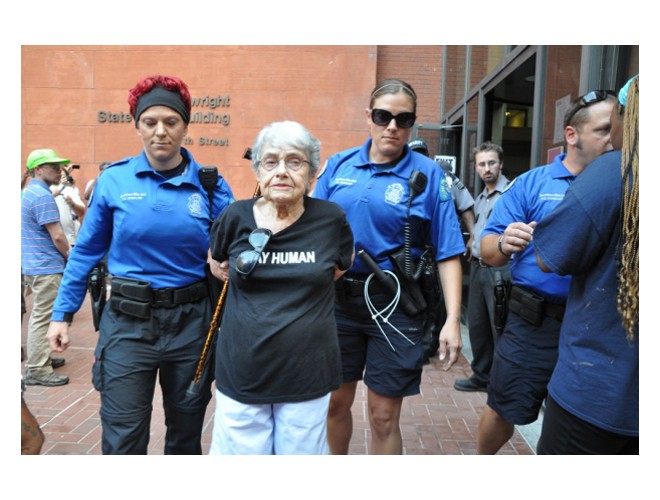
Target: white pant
x=270 y=429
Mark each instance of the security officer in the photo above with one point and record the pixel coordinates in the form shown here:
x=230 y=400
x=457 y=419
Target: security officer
x=153 y=215
x=481 y=301
x=526 y=352
x=393 y=199
x=464 y=204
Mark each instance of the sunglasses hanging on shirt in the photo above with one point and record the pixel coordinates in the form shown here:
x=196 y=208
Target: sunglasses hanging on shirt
x=247 y=260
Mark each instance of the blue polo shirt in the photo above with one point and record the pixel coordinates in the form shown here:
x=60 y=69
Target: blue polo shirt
x=529 y=197
x=597 y=373
x=155 y=229
x=39 y=255
x=375 y=199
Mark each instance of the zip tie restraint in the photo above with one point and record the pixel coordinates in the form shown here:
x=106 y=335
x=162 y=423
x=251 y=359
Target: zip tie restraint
x=387 y=311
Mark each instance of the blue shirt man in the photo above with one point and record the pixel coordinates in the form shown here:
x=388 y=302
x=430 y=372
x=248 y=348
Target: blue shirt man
x=44 y=248
x=593 y=395
x=587 y=382
x=530 y=197
x=526 y=352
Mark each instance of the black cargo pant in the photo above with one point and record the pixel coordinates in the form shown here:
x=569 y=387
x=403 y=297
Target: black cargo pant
x=481 y=317
x=130 y=355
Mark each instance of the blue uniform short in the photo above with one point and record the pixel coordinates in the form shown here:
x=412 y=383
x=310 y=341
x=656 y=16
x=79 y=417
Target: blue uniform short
x=390 y=370
x=525 y=356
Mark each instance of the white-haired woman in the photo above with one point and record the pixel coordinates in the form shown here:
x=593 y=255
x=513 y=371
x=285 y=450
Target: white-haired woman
x=277 y=354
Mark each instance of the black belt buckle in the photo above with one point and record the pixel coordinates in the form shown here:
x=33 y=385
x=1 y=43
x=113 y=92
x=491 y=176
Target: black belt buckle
x=197 y=291
x=162 y=297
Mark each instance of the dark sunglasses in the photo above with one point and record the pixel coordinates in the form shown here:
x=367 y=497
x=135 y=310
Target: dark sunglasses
x=587 y=100
x=248 y=259
x=383 y=118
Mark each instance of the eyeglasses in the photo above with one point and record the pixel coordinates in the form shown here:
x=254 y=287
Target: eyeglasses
x=587 y=100
x=383 y=117
x=291 y=162
x=247 y=260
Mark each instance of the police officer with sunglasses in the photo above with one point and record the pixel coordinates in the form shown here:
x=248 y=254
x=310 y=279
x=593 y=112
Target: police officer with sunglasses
x=394 y=199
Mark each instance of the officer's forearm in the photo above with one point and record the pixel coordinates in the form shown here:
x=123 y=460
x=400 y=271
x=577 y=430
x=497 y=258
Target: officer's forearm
x=490 y=252
x=451 y=278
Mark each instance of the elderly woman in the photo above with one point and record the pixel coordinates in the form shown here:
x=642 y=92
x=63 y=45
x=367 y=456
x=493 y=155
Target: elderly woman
x=277 y=354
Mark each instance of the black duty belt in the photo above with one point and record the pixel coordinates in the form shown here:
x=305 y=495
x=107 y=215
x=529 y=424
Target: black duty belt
x=354 y=287
x=141 y=291
x=555 y=311
x=136 y=298
x=532 y=307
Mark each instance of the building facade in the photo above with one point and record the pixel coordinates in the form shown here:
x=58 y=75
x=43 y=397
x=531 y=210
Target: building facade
x=74 y=97
x=516 y=96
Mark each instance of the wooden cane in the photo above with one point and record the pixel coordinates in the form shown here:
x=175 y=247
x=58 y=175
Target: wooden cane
x=215 y=321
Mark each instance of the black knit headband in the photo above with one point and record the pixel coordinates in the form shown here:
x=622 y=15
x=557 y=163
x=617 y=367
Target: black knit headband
x=158 y=96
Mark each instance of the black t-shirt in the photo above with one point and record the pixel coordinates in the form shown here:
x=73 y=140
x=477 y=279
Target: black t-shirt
x=278 y=335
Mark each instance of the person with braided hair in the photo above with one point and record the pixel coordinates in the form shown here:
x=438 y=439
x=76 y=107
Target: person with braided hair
x=593 y=395
x=526 y=350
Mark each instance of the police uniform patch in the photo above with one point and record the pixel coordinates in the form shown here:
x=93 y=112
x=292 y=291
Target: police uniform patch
x=195 y=204
x=394 y=193
x=445 y=188
x=457 y=182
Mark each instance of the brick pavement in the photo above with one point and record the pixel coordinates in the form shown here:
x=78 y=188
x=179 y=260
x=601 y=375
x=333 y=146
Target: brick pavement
x=440 y=420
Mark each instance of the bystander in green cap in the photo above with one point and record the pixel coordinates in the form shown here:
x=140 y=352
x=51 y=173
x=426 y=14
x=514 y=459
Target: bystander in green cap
x=40 y=157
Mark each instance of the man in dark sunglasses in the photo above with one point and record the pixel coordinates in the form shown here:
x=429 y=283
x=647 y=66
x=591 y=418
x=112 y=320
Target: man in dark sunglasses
x=526 y=351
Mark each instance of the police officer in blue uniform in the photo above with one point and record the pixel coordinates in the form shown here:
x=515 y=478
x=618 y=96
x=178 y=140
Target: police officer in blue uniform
x=394 y=199
x=153 y=215
x=526 y=352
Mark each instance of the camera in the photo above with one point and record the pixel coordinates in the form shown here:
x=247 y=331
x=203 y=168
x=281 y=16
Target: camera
x=75 y=167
